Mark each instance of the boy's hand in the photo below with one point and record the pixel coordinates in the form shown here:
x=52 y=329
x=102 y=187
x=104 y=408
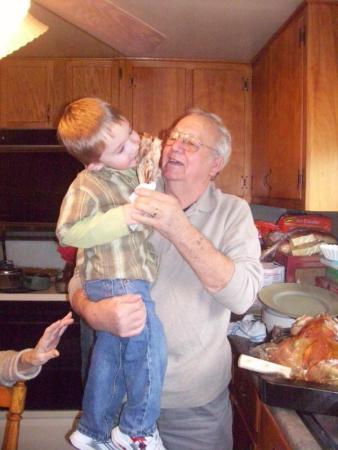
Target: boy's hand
x=128 y=208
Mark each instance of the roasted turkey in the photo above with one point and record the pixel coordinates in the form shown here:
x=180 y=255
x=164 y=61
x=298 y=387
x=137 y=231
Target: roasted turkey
x=311 y=350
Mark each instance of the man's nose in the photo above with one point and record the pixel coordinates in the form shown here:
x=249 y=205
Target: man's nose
x=178 y=145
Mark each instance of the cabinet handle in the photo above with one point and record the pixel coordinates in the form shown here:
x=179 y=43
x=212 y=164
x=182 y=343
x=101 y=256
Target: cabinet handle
x=266 y=180
x=48 y=113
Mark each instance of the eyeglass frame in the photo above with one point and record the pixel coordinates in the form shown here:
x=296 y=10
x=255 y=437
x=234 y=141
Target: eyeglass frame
x=191 y=143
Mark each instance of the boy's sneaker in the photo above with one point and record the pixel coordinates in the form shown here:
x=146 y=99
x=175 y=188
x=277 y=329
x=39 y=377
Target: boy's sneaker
x=83 y=442
x=122 y=441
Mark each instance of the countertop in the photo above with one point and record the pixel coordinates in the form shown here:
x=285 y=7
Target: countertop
x=48 y=295
x=292 y=426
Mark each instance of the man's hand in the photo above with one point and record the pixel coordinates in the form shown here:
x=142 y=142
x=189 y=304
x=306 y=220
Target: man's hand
x=122 y=316
x=45 y=349
x=161 y=211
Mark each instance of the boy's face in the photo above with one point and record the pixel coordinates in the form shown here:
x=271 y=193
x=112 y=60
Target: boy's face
x=122 y=150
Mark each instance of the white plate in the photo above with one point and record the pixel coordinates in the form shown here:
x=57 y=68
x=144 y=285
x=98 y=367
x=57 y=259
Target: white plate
x=296 y=299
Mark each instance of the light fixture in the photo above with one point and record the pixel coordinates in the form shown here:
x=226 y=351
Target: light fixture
x=17 y=26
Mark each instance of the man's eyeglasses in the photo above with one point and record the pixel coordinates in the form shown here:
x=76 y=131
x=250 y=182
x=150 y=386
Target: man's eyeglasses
x=190 y=144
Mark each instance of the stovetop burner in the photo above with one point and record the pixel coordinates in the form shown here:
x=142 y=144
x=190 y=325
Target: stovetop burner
x=324 y=428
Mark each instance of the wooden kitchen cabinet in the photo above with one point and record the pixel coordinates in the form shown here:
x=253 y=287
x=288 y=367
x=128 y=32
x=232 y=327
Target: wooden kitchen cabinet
x=254 y=427
x=93 y=78
x=270 y=436
x=294 y=124
x=26 y=93
x=153 y=94
x=224 y=89
x=157 y=92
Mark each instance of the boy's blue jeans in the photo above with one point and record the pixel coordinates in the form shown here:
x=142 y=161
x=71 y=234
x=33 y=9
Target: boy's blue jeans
x=132 y=366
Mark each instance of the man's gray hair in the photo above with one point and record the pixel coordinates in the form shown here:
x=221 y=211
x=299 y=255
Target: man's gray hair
x=223 y=144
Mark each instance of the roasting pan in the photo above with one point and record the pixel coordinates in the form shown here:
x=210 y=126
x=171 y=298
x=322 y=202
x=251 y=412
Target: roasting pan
x=299 y=395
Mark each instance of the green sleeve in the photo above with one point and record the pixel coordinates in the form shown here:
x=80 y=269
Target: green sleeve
x=96 y=230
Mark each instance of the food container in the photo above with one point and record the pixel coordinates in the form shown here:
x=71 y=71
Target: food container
x=37 y=281
x=272 y=318
x=11 y=277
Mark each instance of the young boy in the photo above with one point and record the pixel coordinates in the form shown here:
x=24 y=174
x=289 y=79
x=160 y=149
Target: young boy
x=97 y=135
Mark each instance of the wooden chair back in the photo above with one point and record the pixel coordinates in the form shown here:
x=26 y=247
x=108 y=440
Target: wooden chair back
x=12 y=398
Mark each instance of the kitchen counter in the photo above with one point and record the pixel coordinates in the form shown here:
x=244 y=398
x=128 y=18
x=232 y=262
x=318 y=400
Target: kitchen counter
x=49 y=295
x=291 y=425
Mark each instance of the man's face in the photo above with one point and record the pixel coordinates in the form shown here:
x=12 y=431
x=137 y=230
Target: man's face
x=197 y=164
x=122 y=151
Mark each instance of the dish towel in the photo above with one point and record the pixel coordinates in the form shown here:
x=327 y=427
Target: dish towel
x=248 y=327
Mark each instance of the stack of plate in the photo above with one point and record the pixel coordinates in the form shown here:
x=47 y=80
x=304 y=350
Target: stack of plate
x=284 y=302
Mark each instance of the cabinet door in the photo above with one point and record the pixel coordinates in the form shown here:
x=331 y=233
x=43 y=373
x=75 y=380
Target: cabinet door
x=241 y=433
x=285 y=120
x=93 y=78
x=224 y=91
x=278 y=119
x=270 y=436
x=26 y=93
x=157 y=96
x=260 y=187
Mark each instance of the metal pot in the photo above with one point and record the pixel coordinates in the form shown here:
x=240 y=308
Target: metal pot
x=273 y=318
x=10 y=277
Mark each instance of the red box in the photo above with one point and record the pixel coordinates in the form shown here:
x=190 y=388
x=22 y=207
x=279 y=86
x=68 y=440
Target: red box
x=301 y=269
x=325 y=283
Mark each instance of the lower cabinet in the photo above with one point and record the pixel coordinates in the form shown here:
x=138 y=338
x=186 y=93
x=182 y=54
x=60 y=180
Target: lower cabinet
x=58 y=386
x=254 y=427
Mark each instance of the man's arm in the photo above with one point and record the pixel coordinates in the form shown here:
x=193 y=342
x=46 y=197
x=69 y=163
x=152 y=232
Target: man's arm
x=122 y=316
x=213 y=268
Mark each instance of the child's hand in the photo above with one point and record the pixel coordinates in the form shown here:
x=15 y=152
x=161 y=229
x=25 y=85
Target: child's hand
x=128 y=209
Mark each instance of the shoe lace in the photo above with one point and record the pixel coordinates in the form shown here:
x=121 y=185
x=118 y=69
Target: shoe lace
x=139 y=442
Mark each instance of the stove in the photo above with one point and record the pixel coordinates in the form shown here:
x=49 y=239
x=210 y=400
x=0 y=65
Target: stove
x=324 y=429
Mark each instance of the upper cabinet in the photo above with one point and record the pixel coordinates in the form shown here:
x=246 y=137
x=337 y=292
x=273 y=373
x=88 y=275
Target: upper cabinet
x=224 y=89
x=294 y=122
x=26 y=93
x=152 y=94
x=156 y=93
x=93 y=78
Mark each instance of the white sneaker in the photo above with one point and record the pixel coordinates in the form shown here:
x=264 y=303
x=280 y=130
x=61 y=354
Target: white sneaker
x=122 y=441
x=83 y=442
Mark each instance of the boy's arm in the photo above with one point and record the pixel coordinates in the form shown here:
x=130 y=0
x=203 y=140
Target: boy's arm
x=95 y=230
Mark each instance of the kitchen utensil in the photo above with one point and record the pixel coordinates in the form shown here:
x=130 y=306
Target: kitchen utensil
x=11 y=277
x=295 y=300
x=262 y=366
x=37 y=281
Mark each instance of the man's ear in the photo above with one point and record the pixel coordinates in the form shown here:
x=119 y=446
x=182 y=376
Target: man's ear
x=95 y=166
x=216 y=166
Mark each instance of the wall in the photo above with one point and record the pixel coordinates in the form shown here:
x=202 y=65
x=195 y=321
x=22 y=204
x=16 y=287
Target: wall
x=37 y=253
x=43 y=253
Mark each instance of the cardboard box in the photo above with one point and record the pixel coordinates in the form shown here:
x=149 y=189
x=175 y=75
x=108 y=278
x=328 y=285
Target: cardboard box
x=301 y=269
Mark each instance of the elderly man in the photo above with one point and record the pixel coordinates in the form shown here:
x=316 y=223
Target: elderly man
x=209 y=266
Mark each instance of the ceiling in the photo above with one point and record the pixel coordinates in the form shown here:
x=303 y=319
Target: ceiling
x=231 y=30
